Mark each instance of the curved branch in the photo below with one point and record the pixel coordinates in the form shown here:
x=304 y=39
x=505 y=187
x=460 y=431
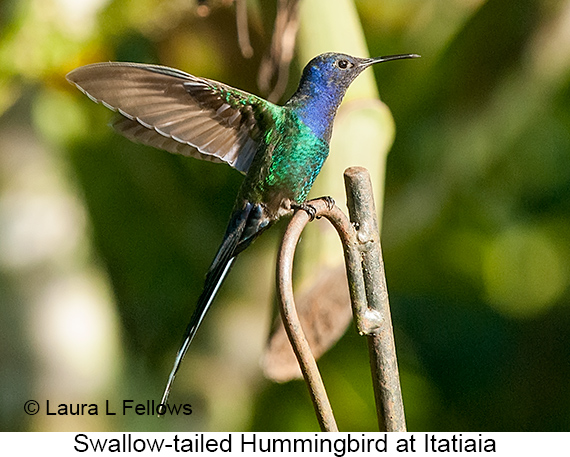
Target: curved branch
x=291 y=321
x=368 y=294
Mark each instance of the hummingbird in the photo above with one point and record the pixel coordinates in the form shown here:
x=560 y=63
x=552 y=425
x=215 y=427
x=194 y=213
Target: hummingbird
x=280 y=149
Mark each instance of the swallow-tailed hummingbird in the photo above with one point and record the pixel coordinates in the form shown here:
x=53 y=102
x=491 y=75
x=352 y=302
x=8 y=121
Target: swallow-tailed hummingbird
x=280 y=149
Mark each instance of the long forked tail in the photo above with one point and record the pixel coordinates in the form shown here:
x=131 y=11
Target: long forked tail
x=244 y=226
x=213 y=282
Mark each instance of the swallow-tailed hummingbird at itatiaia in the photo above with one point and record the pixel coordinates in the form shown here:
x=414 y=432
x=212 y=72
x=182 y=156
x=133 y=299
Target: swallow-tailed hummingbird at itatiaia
x=280 y=149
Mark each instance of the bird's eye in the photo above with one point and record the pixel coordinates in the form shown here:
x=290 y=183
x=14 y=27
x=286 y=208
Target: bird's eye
x=343 y=64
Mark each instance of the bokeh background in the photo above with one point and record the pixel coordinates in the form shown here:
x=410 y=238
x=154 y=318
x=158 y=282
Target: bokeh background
x=104 y=243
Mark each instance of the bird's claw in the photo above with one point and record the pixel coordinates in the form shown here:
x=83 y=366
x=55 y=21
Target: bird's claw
x=311 y=210
x=329 y=201
x=308 y=208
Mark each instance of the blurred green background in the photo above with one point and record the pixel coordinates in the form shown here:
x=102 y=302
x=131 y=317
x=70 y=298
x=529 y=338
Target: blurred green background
x=104 y=243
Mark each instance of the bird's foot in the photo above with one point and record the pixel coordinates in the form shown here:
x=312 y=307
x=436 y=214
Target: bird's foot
x=310 y=209
x=329 y=201
x=307 y=207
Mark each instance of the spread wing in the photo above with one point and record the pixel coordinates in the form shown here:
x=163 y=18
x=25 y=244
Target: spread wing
x=173 y=110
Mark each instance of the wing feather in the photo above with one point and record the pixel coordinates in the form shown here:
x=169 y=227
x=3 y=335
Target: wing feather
x=173 y=110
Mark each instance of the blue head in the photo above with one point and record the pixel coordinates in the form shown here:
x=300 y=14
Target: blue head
x=323 y=85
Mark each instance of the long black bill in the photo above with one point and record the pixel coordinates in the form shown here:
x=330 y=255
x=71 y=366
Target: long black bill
x=368 y=62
